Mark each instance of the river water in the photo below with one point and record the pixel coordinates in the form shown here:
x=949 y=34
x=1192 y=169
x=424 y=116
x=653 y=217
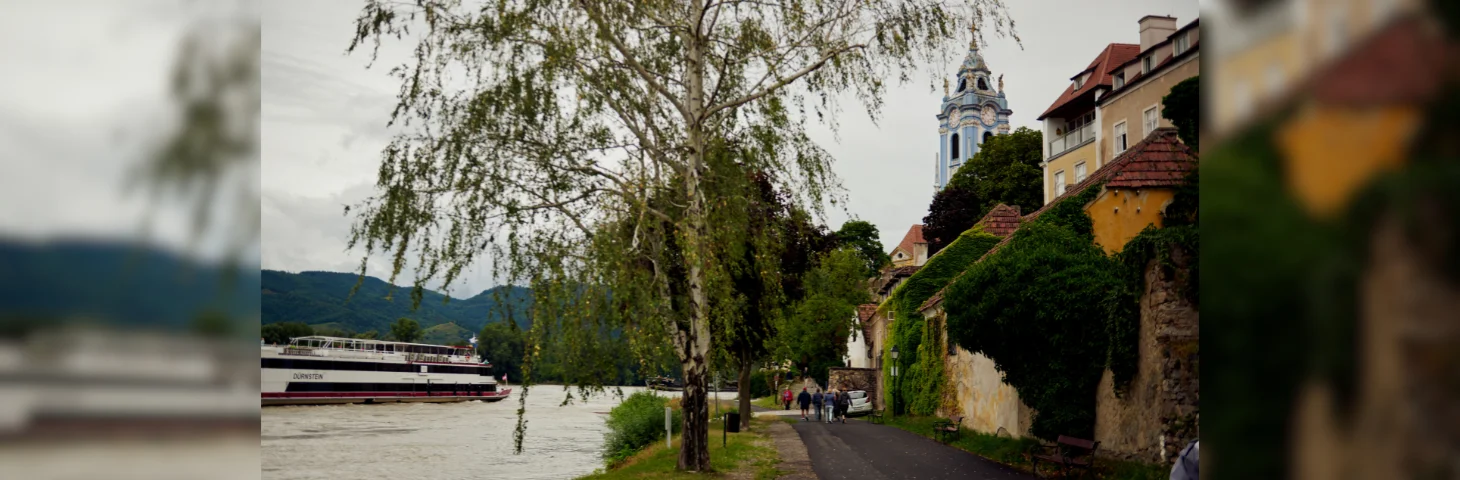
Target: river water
x=468 y=440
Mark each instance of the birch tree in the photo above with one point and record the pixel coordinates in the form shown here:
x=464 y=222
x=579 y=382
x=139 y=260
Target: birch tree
x=594 y=149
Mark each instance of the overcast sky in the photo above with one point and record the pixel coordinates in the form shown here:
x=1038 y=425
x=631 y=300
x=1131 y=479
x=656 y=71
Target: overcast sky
x=324 y=115
x=83 y=97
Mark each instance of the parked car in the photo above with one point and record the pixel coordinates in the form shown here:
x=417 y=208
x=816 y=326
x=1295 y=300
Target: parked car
x=861 y=403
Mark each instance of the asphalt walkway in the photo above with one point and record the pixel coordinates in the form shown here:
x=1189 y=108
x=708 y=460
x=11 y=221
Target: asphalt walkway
x=858 y=450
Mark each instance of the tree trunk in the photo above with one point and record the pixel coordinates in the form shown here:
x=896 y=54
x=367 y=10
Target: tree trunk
x=694 y=453
x=744 y=393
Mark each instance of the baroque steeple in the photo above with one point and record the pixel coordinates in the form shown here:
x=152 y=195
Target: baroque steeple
x=973 y=112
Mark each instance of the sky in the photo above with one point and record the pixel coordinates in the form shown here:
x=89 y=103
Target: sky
x=83 y=99
x=324 y=116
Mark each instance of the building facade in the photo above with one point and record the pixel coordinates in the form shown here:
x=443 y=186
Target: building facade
x=1131 y=110
x=970 y=114
x=1072 y=123
x=912 y=251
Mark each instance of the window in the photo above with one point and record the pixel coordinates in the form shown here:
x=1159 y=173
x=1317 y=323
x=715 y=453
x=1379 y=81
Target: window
x=1120 y=80
x=1147 y=64
x=962 y=84
x=982 y=84
x=1182 y=43
x=1151 y=119
x=1059 y=183
x=987 y=136
x=1079 y=172
x=954 y=141
x=1119 y=137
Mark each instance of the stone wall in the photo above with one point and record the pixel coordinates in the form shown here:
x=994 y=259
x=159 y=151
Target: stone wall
x=1157 y=416
x=854 y=379
x=982 y=398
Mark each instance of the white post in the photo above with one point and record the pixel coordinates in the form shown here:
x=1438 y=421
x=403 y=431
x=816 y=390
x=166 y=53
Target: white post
x=667 y=431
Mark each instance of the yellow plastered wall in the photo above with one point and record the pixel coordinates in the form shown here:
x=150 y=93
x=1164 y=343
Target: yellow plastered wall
x=1333 y=152
x=1119 y=214
x=1066 y=163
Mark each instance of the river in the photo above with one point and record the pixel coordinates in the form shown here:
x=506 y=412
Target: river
x=469 y=440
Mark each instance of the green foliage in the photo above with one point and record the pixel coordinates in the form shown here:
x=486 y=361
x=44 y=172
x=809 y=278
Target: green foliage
x=636 y=422
x=405 y=330
x=213 y=323
x=919 y=388
x=1005 y=170
x=596 y=150
x=280 y=333
x=502 y=345
x=1037 y=309
x=760 y=383
x=862 y=236
x=815 y=336
x=1183 y=108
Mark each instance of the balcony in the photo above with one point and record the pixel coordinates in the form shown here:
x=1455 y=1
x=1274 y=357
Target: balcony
x=1070 y=141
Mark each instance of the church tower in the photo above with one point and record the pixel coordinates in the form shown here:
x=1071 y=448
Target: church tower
x=970 y=114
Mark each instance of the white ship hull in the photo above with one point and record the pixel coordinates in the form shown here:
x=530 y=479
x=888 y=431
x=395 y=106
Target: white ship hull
x=292 y=376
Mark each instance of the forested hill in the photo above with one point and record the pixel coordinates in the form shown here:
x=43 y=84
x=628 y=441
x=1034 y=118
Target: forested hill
x=117 y=283
x=322 y=300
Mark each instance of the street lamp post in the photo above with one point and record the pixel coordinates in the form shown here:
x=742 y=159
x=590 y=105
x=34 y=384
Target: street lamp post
x=890 y=394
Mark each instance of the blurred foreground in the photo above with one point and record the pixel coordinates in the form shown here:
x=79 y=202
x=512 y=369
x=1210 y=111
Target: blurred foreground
x=128 y=239
x=1331 y=197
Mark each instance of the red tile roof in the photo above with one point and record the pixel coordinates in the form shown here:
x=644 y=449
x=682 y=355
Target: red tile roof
x=865 y=311
x=1160 y=160
x=1113 y=54
x=914 y=236
x=1402 y=63
x=1001 y=220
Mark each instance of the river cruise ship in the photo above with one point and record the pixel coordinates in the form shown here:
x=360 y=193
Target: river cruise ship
x=320 y=370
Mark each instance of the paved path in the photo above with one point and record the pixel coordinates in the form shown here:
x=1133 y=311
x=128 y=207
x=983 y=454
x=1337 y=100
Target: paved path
x=859 y=450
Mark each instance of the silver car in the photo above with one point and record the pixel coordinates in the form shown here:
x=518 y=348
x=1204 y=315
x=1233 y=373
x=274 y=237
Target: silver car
x=861 y=404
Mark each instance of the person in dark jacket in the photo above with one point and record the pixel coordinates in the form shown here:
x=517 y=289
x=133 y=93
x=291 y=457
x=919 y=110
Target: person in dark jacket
x=805 y=400
x=816 y=402
x=843 y=401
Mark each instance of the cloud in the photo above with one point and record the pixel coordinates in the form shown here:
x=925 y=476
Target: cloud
x=312 y=233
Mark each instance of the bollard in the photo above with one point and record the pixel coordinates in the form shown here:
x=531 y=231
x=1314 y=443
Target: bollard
x=667 y=431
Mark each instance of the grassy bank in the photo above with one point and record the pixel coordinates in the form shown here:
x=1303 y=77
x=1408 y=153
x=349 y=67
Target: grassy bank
x=1010 y=451
x=767 y=402
x=748 y=454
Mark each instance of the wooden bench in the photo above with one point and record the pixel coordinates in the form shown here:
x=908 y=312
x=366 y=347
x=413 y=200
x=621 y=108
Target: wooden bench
x=1067 y=453
x=946 y=429
x=875 y=416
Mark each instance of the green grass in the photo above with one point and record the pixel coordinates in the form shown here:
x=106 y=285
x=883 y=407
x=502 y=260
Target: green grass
x=767 y=402
x=1010 y=451
x=747 y=452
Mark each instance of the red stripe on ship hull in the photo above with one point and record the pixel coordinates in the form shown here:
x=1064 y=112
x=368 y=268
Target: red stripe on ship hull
x=376 y=394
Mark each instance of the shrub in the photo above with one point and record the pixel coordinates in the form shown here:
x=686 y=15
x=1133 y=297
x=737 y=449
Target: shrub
x=634 y=424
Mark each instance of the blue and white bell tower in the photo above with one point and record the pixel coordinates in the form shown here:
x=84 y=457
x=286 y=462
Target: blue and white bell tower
x=972 y=113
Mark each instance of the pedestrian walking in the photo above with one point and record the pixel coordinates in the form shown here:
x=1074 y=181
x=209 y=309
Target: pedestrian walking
x=804 y=399
x=843 y=400
x=817 y=403
x=786 y=398
x=830 y=399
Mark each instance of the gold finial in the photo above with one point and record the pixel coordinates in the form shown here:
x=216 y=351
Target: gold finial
x=973 y=32
x=945 y=86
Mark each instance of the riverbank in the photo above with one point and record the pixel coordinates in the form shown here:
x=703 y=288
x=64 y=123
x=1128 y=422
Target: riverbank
x=1010 y=451
x=748 y=454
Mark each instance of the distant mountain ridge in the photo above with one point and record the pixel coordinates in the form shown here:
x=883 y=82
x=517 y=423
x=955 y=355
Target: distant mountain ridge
x=118 y=283
x=317 y=297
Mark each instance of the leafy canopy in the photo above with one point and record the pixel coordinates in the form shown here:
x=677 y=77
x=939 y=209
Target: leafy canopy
x=1005 y=170
x=1182 y=106
x=862 y=236
x=595 y=150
